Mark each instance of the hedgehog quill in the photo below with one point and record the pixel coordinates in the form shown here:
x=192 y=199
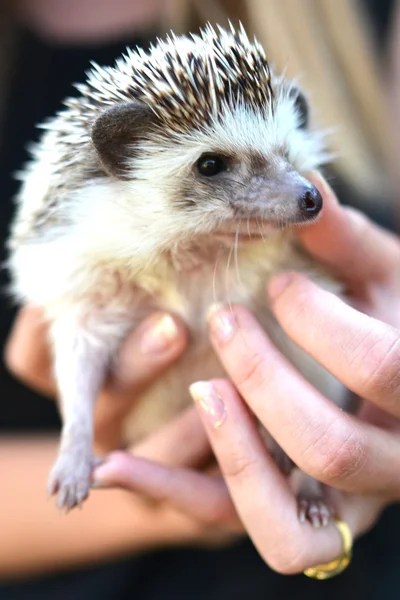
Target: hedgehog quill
x=172 y=182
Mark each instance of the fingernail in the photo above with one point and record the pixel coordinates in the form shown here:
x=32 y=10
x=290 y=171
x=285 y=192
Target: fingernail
x=222 y=322
x=159 y=335
x=205 y=396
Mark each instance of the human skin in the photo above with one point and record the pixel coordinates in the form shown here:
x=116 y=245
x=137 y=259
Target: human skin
x=356 y=456
x=113 y=522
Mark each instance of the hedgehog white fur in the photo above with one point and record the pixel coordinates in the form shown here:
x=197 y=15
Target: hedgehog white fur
x=135 y=199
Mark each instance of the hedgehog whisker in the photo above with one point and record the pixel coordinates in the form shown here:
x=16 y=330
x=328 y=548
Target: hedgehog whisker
x=228 y=262
x=236 y=245
x=260 y=229
x=214 y=279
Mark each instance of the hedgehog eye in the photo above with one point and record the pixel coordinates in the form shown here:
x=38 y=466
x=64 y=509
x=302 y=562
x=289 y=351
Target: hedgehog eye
x=301 y=106
x=210 y=165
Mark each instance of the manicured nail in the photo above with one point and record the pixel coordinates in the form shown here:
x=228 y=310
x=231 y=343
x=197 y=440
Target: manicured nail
x=222 y=322
x=278 y=284
x=159 y=335
x=204 y=394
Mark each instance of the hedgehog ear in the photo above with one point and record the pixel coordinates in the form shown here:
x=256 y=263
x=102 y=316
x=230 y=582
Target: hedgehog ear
x=301 y=105
x=116 y=132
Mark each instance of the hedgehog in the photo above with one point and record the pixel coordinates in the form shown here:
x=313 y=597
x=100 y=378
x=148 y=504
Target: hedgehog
x=173 y=181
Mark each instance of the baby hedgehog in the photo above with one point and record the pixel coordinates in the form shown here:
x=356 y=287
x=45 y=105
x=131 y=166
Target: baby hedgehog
x=171 y=183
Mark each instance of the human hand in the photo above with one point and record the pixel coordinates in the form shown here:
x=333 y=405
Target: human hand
x=172 y=478
x=192 y=506
x=347 y=452
x=154 y=345
x=359 y=456
x=356 y=455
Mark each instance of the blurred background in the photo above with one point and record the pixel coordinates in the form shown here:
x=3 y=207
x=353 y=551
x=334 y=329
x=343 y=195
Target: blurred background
x=345 y=53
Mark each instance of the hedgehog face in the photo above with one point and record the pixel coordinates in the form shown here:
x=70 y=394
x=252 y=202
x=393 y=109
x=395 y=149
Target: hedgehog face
x=250 y=168
x=201 y=132
x=246 y=166
x=246 y=169
x=250 y=189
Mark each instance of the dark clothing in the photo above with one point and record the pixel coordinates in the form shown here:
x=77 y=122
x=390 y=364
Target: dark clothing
x=42 y=79
x=237 y=573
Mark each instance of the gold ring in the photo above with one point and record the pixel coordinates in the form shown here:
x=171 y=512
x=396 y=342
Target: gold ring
x=337 y=566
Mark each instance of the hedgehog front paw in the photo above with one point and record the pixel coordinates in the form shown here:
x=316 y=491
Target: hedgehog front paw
x=70 y=479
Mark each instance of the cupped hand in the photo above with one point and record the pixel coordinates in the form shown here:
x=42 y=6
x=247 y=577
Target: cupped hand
x=172 y=481
x=172 y=476
x=154 y=345
x=357 y=456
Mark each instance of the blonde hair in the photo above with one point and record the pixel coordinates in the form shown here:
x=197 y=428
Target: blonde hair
x=327 y=46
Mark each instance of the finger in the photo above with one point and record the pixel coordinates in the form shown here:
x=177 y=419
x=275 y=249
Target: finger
x=347 y=241
x=148 y=351
x=181 y=443
x=328 y=444
x=199 y=496
x=361 y=351
x=260 y=493
x=27 y=353
x=157 y=342
x=360 y=512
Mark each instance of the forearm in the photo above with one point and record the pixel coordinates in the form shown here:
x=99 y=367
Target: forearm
x=35 y=538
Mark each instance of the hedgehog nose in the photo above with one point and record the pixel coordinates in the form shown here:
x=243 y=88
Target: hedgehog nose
x=310 y=201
